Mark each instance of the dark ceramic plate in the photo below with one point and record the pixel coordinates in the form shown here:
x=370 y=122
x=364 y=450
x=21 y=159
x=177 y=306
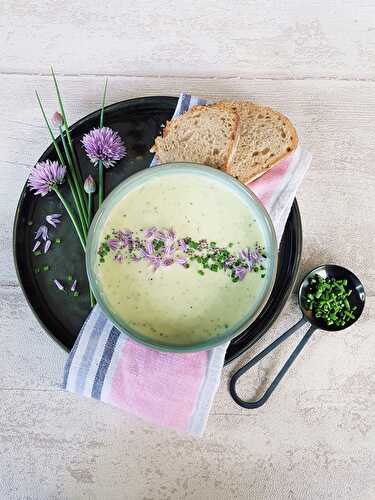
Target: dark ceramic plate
x=138 y=121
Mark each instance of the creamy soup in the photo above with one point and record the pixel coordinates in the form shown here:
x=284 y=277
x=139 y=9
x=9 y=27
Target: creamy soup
x=170 y=265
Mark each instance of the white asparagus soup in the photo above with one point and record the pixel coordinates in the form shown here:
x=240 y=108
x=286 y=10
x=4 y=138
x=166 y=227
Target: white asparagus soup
x=181 y=259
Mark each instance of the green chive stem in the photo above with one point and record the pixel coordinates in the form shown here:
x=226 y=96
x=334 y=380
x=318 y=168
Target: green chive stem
x=59 y=155
x=77 y=204
x=103 y=104
x=66 y=126
x=101 y=182
x=72 y=217
x=100 y=164
x=89 y=207
x=82 y=206
x=58 y=151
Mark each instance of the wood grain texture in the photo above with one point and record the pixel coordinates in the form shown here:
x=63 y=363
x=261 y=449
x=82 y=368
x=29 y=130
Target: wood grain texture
x=315 y=62
x=216 y=38
x=312 y=440
x=105 y=454
x=62 y=446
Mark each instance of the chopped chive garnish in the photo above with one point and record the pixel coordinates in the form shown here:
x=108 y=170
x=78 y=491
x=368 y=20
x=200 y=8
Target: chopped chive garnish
x=76 y=293
x=37 y=270
x=58 y=241
x=45 y=268
x=327 y=299
x=38 y=252
x=29 y=222
x=193 y=244
x=70 y=277
x=161 y=248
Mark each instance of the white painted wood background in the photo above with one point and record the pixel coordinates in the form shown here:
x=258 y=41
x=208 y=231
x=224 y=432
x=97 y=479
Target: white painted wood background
x=315 y=61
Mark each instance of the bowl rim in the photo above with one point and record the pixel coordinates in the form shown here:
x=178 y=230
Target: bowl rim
x=91 y=252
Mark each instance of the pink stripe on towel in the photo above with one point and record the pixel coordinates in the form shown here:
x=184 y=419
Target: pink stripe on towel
x=162 y=388
x=268 y=184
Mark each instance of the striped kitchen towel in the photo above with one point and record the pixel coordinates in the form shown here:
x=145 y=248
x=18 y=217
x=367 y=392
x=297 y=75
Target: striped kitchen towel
x=168 y=389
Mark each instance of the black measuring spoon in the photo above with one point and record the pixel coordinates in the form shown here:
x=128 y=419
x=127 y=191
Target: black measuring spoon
x=357 y=298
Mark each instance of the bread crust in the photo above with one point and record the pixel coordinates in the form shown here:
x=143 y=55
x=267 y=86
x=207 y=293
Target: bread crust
x=230 y=167
x=232 y=147
x=170 y=124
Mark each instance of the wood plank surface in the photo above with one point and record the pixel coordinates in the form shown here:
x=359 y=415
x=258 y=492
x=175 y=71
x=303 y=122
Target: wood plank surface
x=215 y=38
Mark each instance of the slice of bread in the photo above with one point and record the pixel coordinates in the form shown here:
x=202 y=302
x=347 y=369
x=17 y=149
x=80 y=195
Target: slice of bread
x=204 y=134
x=266 y=137
x=242 y=138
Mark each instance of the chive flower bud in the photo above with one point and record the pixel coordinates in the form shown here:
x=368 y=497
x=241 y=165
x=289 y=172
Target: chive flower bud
x=57 y=120
x=89 y=185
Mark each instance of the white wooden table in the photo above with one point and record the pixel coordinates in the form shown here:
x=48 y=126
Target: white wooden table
x=315 y=61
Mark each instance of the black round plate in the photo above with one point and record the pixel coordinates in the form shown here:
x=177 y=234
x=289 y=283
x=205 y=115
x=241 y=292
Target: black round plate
x=138 y=121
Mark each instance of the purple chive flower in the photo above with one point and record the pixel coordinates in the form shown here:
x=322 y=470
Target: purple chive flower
x=154 y=261
x=42 y=232
x=149 y=233
x=45 y=176
x=169 y=248
x=89 y=185
x=36 y=246
x=135 y=258
x=74 y=286
x=183 y=246
x=160 y=235
x=125 y=237
x=119 y=258
x=251 y=257
x=167 y=261
x=181 y=260
x=144 y=254
x=149 y=247
x=58 y=284
x=113 y=244
x=53 y=219
x=47 y=245
x=240 y=272
x=104 y=144
x=57 y=120
x=170 y=234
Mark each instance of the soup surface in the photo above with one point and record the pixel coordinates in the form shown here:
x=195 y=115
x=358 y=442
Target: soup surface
x=170 y=264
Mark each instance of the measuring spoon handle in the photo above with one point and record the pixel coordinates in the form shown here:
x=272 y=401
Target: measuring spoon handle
x=261 y=355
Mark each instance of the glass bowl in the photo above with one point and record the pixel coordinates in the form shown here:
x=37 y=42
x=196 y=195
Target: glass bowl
x=256 y=210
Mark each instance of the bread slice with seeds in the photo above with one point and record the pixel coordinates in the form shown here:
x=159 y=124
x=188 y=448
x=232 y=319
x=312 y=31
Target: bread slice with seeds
x=265 y=138
x=204 y=134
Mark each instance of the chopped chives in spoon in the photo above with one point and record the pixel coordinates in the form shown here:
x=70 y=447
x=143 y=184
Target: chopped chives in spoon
x=327 y=298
